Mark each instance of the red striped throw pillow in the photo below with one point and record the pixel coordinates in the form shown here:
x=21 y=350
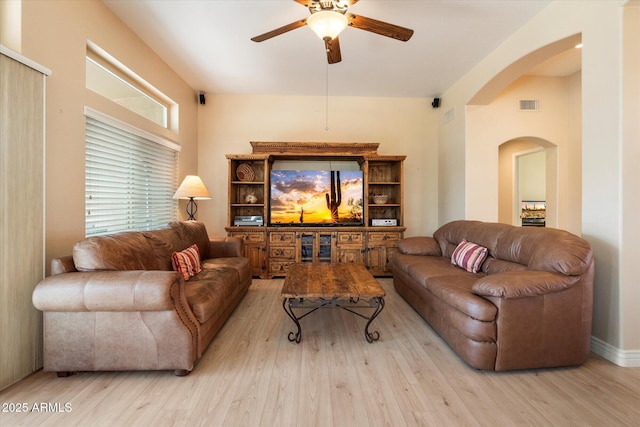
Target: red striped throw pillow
x=187 y=262
x=469 y=256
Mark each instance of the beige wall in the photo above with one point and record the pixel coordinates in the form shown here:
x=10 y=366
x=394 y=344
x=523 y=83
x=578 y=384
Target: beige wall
x=402 y=126
x=606 y=172
x=55 y=33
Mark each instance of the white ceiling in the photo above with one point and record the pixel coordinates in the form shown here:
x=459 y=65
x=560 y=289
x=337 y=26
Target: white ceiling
x=208 y=44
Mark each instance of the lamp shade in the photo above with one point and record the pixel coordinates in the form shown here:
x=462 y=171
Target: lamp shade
x=192 y=187
x=327 y=24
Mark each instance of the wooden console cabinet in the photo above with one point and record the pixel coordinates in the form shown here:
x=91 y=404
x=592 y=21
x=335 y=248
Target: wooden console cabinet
x=272 y=249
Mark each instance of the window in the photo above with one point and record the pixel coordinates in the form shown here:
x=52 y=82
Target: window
x=130 y=177
x=108 y=77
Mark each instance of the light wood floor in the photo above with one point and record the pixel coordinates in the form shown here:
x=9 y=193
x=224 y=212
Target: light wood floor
x=252 y=375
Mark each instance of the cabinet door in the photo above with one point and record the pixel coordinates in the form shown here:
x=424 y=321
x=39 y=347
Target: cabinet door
x=324 y=247
x=390 y=249
x=378 y=257
x=381 y=246
x=255 y=254
x=350 y=254
x=253 y=248
x=375 y=259
x=306 y=247
x=316 y=247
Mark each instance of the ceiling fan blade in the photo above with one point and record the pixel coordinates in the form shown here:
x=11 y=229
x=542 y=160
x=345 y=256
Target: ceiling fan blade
x=281 y=30
x=333 y=51
x=379 y=27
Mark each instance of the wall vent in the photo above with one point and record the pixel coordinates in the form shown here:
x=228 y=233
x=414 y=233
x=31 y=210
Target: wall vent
x=449 y=115
x=529 y=105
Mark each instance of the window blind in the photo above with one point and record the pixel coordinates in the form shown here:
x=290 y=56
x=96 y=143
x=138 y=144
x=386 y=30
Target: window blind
x=129 y=181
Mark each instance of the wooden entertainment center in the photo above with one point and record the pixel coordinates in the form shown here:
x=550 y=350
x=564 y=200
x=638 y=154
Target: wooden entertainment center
x=271 y=248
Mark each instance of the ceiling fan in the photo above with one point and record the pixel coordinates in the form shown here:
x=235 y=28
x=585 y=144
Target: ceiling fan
x=329 y=17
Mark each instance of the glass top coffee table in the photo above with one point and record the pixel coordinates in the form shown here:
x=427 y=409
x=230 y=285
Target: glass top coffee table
x=311 y=286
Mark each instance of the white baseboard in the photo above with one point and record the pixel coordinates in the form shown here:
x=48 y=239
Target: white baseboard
x=624 y=358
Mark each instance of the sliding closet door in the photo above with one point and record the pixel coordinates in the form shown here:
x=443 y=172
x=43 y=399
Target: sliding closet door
x=21 y=217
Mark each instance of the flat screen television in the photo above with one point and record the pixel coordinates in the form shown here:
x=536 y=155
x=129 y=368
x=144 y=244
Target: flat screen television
x=316 y=198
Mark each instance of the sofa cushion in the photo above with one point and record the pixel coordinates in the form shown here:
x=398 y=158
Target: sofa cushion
x=447 y=283
x=423 y=268
x=122 y=251
x=485 y=234
x=163 y=243
x=187 y=262
x=193 y=232
x=240 y=264
x=469 y=256
x=493 y=265
x=208 y=291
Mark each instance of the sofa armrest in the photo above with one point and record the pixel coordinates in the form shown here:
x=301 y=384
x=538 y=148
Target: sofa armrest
x=137 y=290
x=225 y=247
x=421 y=245
x=522 y=284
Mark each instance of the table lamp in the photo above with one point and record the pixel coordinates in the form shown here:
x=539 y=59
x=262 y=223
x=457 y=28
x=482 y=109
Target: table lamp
x=192 y=188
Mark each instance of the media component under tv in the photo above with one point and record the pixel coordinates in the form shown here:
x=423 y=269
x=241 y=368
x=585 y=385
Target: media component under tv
x=316 y=198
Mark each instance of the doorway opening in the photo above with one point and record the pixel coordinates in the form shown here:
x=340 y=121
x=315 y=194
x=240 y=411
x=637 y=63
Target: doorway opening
x=527 y=173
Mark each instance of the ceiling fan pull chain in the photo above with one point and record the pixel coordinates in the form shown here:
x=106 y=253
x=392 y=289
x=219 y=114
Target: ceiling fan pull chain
x=326 y=103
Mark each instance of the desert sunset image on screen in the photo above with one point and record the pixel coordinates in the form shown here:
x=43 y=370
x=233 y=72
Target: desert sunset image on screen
x=316 y=197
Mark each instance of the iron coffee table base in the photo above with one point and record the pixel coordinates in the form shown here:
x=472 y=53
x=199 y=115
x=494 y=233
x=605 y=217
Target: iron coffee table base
x=311 y=305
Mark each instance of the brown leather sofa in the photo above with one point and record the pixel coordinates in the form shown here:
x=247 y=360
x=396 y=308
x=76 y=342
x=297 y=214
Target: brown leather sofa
x=530 y=305
x=117 y=304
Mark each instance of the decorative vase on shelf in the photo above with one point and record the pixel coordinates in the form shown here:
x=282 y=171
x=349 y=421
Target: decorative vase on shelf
x=380 y=199
x=251 y=198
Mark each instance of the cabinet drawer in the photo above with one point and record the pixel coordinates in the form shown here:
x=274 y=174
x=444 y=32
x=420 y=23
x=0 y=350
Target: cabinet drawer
x=348 y=238
x=384 y=237
x=282 y=237
x=278 y=267
x=285 y=252
x=249 y=237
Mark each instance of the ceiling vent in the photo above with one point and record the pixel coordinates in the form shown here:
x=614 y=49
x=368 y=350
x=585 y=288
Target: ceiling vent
x=529 y=105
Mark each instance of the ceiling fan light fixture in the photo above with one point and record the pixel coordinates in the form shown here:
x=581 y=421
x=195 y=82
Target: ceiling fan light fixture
x=327 y=24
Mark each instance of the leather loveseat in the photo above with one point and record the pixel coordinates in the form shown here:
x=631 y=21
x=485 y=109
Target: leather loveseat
x=528 y=306
x=117 y=304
